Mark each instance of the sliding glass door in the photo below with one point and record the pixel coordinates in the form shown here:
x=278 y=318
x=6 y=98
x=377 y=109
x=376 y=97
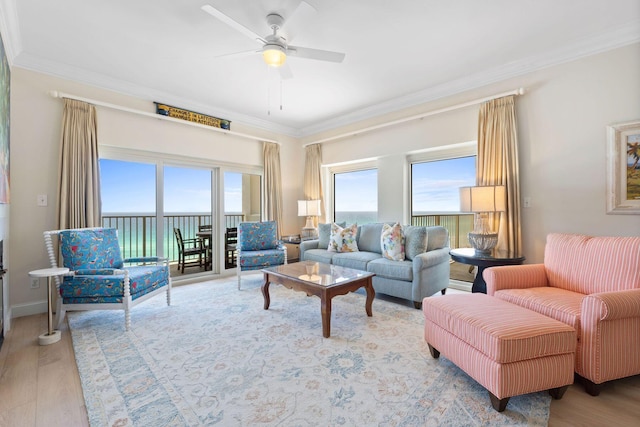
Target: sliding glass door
x=149 y=198
x=188 y=219
x=128 y=191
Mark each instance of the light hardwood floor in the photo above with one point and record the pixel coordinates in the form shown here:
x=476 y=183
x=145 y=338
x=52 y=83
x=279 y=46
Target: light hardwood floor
x=40 y=386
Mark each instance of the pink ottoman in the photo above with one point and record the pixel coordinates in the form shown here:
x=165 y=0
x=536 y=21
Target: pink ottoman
x=508 y=349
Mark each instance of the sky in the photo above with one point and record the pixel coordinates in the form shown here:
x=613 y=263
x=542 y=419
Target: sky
x=129 y=187
x=435 y=186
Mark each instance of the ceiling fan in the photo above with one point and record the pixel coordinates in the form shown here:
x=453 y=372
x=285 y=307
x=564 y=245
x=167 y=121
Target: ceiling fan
x=274 y=46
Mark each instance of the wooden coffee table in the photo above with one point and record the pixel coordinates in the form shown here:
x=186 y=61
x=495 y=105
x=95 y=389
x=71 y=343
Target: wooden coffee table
x=322 y=280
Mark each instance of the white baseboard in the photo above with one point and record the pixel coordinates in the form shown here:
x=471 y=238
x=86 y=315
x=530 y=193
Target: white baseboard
x=460 y=285
x=20 y=310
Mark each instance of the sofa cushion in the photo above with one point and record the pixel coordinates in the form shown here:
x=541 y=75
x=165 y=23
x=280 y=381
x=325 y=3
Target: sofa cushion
x=587 y=264
x=324 y=233
x=319 y=255
x=91 y=249
x=415 y=241
x=397 y=270
x=357 y=260
x=343 y=239
x=392 y=242
x=257 y=236
x=556 y=303
x=369 y=238
x=142 y=280
x=437 y=237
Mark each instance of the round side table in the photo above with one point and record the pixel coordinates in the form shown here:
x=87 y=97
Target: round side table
x=482 y=261
x=52 y=336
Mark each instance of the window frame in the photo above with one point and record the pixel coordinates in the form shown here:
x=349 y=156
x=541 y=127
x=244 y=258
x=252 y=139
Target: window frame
x=446 y=152
x=332 y=170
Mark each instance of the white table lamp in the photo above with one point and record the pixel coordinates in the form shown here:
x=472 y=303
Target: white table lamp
x=309 y=208
x=482 y=200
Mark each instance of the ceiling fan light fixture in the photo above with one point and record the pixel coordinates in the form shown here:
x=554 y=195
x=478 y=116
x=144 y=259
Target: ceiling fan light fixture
x=274 y=55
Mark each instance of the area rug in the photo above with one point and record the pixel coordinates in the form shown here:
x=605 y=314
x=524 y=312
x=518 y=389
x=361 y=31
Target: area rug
x=216 y=357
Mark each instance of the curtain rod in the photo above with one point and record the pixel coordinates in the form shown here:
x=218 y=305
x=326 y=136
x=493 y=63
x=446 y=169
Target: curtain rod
x=57 y=94
x=519 y=91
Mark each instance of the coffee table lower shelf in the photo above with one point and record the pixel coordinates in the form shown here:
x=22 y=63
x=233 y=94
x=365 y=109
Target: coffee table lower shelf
x=322 y=280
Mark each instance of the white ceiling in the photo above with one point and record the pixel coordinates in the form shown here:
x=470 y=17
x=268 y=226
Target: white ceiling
x=398 y=53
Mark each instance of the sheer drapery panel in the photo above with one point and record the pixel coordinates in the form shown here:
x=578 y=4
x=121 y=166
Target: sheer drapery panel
x=273 y=184
x=79 y=183
x=313 y=179
x=497 y=164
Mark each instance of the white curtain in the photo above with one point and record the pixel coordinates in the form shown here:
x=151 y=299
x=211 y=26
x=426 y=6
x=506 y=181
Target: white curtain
x=313 y=178
x=498 y=165
x=273 y=184
x=79 y=182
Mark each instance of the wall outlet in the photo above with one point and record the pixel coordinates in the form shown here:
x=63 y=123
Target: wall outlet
x=35 y=282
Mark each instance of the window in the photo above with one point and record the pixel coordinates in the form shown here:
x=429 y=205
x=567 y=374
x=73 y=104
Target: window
x=355 y=196
x=435 y=184
x=435 y=195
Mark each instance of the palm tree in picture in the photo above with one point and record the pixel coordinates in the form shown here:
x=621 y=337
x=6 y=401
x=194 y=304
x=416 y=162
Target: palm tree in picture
x=633 y=150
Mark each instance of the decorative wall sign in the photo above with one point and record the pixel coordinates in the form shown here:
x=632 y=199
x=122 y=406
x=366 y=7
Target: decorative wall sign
x=190 y=116
x=623 y=168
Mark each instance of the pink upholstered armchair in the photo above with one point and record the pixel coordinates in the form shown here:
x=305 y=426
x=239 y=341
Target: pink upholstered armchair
x=592 y=284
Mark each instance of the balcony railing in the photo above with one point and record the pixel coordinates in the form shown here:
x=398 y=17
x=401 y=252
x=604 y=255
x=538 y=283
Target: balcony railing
x=137 y=233
x=458 y=225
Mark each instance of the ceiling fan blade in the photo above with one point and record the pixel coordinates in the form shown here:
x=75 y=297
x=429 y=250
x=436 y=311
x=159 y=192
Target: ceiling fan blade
x=240 y=54
x=233 y=24
x=321 y=55
x=297 y=20
x=285 y=71
x=312 y=3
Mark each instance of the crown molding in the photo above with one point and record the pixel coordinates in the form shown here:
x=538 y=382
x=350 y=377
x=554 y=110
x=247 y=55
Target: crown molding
x=80 y=75
x=620 y=37
x=10 y=29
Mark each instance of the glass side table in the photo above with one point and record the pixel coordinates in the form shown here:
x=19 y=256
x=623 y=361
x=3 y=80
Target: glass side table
x=52 y=336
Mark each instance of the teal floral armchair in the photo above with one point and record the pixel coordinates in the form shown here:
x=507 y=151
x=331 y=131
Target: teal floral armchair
x=99 y=279
x=258 y=247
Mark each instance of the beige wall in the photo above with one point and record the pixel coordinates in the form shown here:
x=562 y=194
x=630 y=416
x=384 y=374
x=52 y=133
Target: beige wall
x=561 y=123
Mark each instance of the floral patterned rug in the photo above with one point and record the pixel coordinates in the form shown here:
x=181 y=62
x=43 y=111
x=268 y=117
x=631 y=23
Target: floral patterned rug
x=216 y=357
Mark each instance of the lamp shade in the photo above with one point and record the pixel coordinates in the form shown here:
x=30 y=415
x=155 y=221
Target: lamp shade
x=489 y=198
x=274 y=55
x=308 y=207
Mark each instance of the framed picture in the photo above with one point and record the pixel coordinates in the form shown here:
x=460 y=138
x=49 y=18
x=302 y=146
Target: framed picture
x=623 y=168
x=5 y=80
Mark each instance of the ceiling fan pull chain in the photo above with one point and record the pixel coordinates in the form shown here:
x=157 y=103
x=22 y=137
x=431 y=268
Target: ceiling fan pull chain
x=268 y=97
x=280 y=94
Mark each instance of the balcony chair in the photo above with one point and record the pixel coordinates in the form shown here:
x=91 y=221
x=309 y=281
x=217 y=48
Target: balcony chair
x=189 y=248
x=230 y=245
x=98 y=278
x=258 y=247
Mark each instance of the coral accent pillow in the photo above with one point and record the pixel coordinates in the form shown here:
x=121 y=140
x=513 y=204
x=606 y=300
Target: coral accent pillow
x=392 y=242
x=343 y=239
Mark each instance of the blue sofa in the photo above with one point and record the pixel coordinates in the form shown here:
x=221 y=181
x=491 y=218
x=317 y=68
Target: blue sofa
x=424 y=271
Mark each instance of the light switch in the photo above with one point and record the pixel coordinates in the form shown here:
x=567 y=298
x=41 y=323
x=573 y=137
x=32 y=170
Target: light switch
x=527 y=202
x=42 y=200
